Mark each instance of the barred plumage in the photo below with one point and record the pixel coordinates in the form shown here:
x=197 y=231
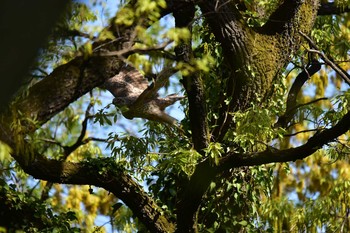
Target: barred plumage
x=137 y=99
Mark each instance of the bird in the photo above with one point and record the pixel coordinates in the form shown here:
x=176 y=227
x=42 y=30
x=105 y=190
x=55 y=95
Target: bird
x=137 y=99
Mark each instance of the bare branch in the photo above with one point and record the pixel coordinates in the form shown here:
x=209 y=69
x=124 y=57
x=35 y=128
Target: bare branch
x=299 y=132
x=342 y=73
x=80 y=141
x=310 y=102
x=128 y=51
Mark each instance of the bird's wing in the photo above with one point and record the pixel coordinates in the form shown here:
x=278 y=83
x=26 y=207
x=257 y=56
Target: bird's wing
x=128 y=83
x=151 y=92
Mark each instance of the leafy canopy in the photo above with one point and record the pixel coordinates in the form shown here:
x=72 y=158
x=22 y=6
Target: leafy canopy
x=306 y=195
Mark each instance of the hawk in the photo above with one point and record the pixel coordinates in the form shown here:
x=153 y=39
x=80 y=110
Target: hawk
x=136 y=98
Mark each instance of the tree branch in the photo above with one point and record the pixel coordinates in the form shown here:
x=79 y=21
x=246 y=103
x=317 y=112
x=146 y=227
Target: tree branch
x=191 y=195
x=279 y=20
x=192 y=83
x=294 y=91
x=342 y=73
x=316 y=142
x=104 y=173
x=330 y=8
x=80 y=141
x=66 y=84
x=50 y=96
x=255 y=57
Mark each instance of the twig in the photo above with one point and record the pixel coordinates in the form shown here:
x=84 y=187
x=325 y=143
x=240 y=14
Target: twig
x=342 y=73
x=129 y=51
x=94 y=139
x=299 y=132
x=311 y=102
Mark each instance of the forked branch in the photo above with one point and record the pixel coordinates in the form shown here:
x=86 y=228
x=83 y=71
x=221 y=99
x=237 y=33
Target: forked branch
x=341 y=72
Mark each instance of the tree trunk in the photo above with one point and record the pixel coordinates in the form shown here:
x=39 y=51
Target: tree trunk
x=256 y=57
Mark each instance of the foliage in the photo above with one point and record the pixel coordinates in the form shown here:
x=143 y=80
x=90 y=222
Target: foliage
x=309 y=195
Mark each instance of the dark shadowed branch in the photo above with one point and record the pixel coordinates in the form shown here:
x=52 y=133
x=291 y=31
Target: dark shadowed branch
x=341 y=72
x=104 y=173
x=294 y=91
x=313 y=144
x=279 y=20
x=331 y=8
x=191 y=195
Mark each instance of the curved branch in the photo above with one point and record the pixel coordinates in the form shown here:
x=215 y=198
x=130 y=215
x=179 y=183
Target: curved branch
x=316 y=142
x=50 y=96
x=104 y=173
x=294 y=91
x=80 y=141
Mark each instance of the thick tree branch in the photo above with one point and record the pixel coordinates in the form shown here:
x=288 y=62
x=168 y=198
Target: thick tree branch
x=282 y=16
x=255 y=57
x=224 y=20
x=104 y=173
x=331 y=8
x=192 y=83
x=313 y=144
x=20 y=44
x=191 y=195
x=50 y=96
x=65 y=85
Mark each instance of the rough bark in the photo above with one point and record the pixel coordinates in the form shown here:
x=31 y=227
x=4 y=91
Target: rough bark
x=256 y=56
x=51 y=95
x=47 y=98
x=187 y=205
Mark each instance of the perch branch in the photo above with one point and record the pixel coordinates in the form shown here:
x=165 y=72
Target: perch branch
x=342 y=73
x=315 y=143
